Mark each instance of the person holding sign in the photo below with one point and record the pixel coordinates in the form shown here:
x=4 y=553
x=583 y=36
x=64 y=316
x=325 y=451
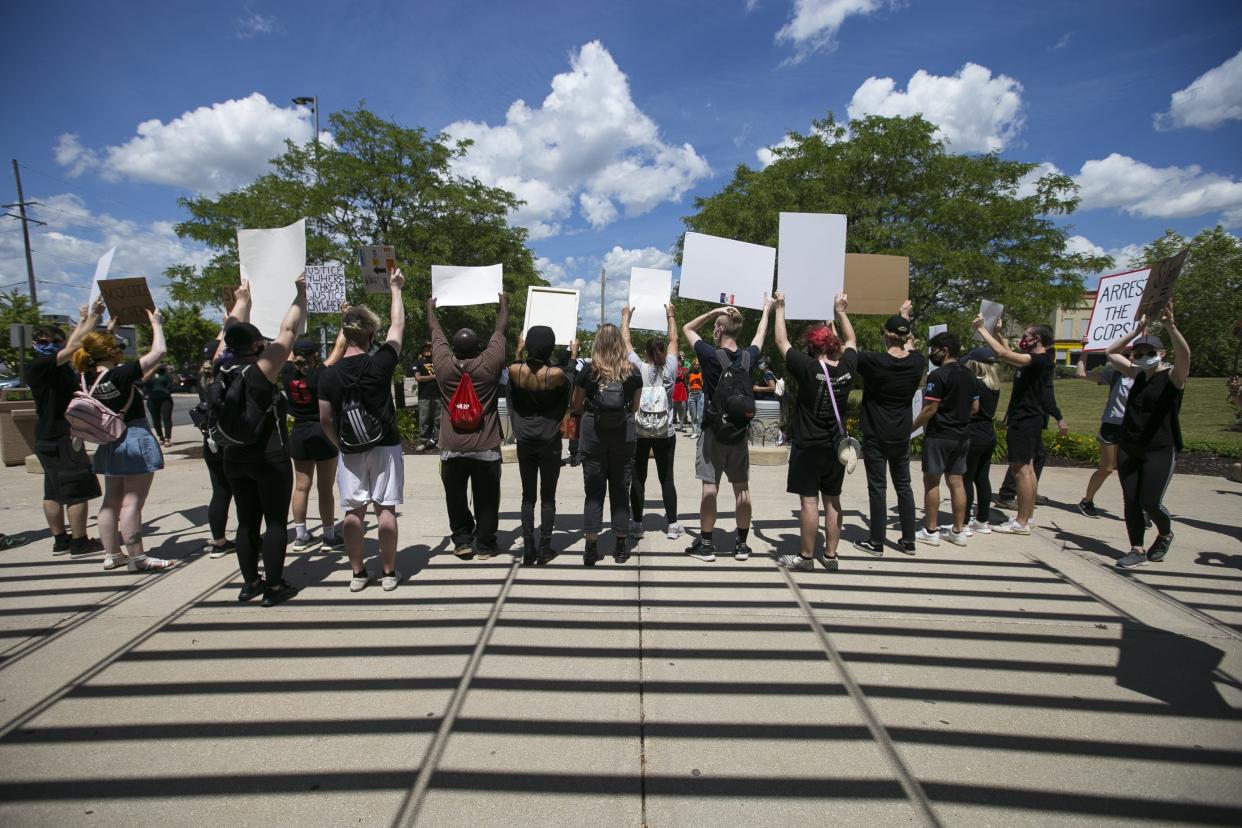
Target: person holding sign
x=1109 y=436
x=1151 y=434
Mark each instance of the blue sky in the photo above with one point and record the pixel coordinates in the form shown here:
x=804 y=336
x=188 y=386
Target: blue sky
x=630 y=110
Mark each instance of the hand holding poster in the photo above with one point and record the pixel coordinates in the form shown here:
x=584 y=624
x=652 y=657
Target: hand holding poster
x=725 y=271
x=555 y=307
x=128 y=300
x=1159 y=288
x=459 y=286
x=325 y=287
x=1116 y=305
x=272 y=260
x=991 y=313
x=650 y=291
x=377 y=261
x=811 y=265
x=876 y=284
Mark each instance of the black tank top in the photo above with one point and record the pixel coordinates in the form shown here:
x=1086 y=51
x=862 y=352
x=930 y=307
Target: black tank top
x=537 y=412
x=1151 y=419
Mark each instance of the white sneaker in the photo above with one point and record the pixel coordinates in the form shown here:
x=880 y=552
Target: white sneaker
x=675 y=531
x=956 y=538
x=966 y=532
x=636 y=529
x=982 y=527
x=929 y=538
x=389 y=582
x=1012 y=527
x=359 y=582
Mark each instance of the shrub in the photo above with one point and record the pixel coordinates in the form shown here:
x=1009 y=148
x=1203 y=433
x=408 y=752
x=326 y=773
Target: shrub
x=407 y=425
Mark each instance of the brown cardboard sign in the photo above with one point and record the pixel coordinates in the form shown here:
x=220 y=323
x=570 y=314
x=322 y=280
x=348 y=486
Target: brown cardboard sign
x=128 y=300
x=1159 y=288
x=876 y=284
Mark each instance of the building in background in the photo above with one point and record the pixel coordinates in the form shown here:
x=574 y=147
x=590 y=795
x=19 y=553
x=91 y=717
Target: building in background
x=1070 y=326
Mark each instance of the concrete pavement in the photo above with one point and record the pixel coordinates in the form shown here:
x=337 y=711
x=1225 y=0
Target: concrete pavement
x=1018 y=681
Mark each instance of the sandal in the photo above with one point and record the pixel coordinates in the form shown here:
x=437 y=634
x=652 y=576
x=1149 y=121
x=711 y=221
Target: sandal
x=147 y=564
x=115 y=561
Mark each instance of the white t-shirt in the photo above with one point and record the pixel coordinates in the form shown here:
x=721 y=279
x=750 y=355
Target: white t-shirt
x=669 y=377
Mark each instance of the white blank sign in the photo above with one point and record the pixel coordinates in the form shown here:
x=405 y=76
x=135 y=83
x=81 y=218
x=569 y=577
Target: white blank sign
x=458 y=286
x=555 y=307
x=932 y=330
x=649 y=293
x=725 y=271
x=811 y=267
x=272 y=260
x=991 y=313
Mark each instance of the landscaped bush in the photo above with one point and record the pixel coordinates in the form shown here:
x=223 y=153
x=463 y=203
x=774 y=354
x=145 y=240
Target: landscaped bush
x=407 y=425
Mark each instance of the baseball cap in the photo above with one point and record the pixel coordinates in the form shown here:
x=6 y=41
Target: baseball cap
x=984 y=355
x=898 y=325
x=241 y=334
x=305 y=347
x=1148 y=340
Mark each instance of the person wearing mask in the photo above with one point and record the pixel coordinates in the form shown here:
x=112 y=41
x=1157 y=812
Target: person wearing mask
x=1006 y=498
x=1151 y=433
x=694 y=398
x=607 y=396
x=314 y=456
x=359 y=417
x=890 y=379
x=1109 y=436
x=656 y=433
x=213 y=458
x=128 y=464
x=428 y=399
x=949 y=400
x=681 y=416
x=823 y=376
x=470 y=459
x=157 y=386
x=539 y=393
x=765 y=389
x=721 y=451
x=260 y=471
x=981 y=431
x=69 y=484
x=1026 y=414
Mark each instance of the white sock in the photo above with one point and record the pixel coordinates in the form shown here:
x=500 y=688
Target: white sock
x=300 y=530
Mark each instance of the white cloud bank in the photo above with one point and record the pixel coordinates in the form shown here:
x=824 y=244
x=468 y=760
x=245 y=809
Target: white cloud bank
x=1213 y=98
x=813 y=24
x=582 y=273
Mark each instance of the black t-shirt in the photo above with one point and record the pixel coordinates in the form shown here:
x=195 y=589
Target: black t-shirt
x=302 y=392
x=52 y=387
x=889 y=384
x=1030 y=382
x=1152 y=410
x=373 y=373
x=272 y=445
x=537 y=411
x=766 y=377
x=813 y=422
x=424 y=367
x=159 y=387
x=953 y=386
x=117 y=390
x=712 y=368
x=982 y=429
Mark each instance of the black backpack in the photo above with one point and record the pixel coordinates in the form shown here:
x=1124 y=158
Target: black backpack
x=732 y=405
x=609 y=406
x=233 y=416
x=357 y=428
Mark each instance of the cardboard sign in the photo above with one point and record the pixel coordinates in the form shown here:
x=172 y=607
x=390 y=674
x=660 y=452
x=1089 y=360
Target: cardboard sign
x=725 y=271
x=101 y=272
x=1159 y=288
x=128 y=300
x=1116 y=304
x=811 y=265
x=650 y=291
x=272 y=260
x=991 y=313
x=377 y=261
x=459 y=286
x=325 y=287
x=876 y=284
x=555 y=307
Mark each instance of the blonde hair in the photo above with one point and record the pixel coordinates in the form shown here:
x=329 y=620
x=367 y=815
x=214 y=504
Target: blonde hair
x=97 y=347
x=985 y=371
x=731 y=323
x=608 y=354
x=359 y=325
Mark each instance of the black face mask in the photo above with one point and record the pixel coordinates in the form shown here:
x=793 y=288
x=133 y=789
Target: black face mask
x=937 y=359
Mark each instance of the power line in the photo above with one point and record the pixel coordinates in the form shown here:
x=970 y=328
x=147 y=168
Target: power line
x=93 y=193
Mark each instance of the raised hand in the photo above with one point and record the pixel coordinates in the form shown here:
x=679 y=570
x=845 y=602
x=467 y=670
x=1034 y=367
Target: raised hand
x=242 y=293
x=1166 y=315
x=627 y=313
x=779 y=299
x=300 y=284
x=842 y=302
x=979 y=323
x=396 y=281
x=155 y=317
x=99 y=307
x=907 y=307
x=767 y=302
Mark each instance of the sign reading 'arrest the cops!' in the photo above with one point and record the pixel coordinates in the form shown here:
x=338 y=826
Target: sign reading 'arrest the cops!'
x=1116 y=301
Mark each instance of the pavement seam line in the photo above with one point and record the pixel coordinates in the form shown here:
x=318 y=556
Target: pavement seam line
x=642 y=701
x=913 y=789
x=412 y=806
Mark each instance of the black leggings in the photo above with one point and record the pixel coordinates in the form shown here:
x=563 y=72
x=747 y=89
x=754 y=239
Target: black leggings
x=1145 y=474
x=221 y=492
x=978 y=480
x=161 y=412
x=664 y=448
x=540 y=467
x=262 y=491
x=606 y=469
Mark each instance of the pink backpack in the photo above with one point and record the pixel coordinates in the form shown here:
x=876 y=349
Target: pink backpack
x=92 y=421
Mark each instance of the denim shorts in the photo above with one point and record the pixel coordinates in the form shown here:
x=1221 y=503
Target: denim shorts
x=134 y=454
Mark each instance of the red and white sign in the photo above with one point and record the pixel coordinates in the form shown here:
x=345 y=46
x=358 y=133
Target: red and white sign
x=1116 y=301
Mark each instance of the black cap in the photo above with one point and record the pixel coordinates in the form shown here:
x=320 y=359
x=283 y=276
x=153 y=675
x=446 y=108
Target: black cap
x=240 y=334
x=898 y=325
x=981 y=354
x=305 y=347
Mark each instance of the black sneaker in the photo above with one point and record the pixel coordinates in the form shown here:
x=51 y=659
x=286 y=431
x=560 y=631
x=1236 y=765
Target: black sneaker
x=279 y=594
x=591 y=555
x=702 y=551
x=61 y=544
x=906 y=547
x=85 y=546
x=1160 y=548
x=1005 y=503
x=870 y=547
x=1041 y=500
x=620 y=553
x=741 y=551
x=546 y=553
x=1088 y=508
x=251 y=591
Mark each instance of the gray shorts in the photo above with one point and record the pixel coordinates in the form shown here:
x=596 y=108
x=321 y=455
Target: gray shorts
x=714 y=460
x=945 y=455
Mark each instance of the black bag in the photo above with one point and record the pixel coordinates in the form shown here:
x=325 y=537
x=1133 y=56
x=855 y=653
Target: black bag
x=732 y=405
x=198 y=416
x=233 y=416
x=609 y=407
x=357 y=428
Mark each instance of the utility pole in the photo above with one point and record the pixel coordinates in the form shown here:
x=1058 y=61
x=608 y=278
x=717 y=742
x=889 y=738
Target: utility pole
x=21 y=209
x=603 y=280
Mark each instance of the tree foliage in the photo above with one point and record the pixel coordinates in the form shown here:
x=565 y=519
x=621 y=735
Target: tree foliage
x=185 y=332
x=15 y=308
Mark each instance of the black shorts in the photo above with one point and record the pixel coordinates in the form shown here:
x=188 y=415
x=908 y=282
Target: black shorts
x=945 y=455
x=1026 y=439
x=814 y=471
x=1110 y=434
x=68 y=477
x=307 y=442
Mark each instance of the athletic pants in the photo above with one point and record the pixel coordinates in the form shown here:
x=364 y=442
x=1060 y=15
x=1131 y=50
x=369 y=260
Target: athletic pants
x=978 y=480
x=606 y=468
x=262 y=491
x=1145 y=474
x=161 y=412
x=539 y=464
x=221 y=492
x=664 y=449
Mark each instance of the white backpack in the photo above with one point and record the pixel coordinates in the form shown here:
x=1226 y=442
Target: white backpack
x=653 y=410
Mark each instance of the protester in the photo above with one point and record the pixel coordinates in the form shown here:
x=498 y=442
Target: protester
x=213 y=458
x=1006 y=498
x=1109 y=436
x=129 y=463
x=681 y=396
x=765 y=389
x=723 y=450
x=470 y=439
x=982 y=434
x=157 y=386
x=428 y=399
x=655 y=430
x=607 y=395
x=823 y=377
x=1151 y=433
x=694 y=398
x=1026 y=415
x=314 y=456
x=949 y=400
x=539 y=395
x=890 y=379
x=359 y=418
x=572 y=425
x=68 y=481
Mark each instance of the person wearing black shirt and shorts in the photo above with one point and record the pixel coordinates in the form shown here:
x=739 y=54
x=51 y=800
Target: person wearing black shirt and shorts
x=823 y=378
x=949 y=400
x=1111 y=422
x=1151 y=433
x=1026 y=415
x=314 y=456
x=982 y=433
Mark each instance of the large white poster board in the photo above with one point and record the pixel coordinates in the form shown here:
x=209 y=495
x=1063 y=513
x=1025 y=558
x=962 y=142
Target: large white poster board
x=991 y=313
x=811 y=265
x=1116 y=302
x=650 y=291
x=725 y=271
x=555 y=307
x=272 y=260
x=458 y=286
x=932 y=330
x=101 y=272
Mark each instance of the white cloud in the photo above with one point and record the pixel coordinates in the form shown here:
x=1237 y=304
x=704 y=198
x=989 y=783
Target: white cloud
x=1026 y=184
x=1213 y=98
x=974 y=111
x=1121 y=256
x=814 y=24
x=1062 y=43
x=252 y=24
x=587 y=143
x=1158 y=192
x=210 y=149
x=766 y=155
x=582 y=273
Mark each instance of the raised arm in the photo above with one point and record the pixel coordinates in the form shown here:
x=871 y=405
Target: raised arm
x=1181 y=348
x=848 y=340
x=433 y=322
x=241 y=304
x=762 y=333
x=152 y=357
x=1116 y=352
x=690 y=330
x=670 y=314
x=87 y=321
x=277 y=351
x=1002 y=351
x=502 y=315
x=396 y=312
x=628 y=344
x=782 y=334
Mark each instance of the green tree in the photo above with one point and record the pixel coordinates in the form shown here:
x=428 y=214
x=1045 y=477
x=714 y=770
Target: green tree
x=185 y=331
x=15 y=308
x=377 y=183
x=1207 y=298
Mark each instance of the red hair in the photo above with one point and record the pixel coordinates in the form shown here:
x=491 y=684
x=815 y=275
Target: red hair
x=823 y=342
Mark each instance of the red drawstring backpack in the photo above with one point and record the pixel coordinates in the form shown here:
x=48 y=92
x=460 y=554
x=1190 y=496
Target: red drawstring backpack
x=465 y=412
